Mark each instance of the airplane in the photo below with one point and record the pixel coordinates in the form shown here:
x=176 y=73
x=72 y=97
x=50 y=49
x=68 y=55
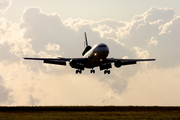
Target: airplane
x=92 y=57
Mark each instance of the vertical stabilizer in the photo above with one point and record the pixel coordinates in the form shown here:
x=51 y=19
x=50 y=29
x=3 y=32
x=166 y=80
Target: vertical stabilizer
x=85 y=40
x=86 y=46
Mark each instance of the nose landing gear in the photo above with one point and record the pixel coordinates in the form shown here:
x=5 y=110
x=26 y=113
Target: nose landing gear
x=92 y=71
x=107 y=71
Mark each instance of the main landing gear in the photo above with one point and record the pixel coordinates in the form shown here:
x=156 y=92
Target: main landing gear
x=78 y=71
x=93 y=71
x=107 y=71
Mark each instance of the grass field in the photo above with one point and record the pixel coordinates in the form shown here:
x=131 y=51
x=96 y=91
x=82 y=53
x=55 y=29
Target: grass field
x=89 y=113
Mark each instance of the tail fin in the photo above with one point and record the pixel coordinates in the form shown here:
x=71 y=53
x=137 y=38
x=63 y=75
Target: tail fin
x=86 y=46
x=85 y=40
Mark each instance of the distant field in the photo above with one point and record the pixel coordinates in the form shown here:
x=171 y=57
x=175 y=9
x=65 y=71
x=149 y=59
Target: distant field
x=89 y=113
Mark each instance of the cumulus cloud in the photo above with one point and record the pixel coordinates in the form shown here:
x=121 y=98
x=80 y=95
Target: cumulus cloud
x=153 y=87
x=5 y=98
x=33 y=101
x=143 y=27
x=52 y=47
x=12 y=44
x=35 y=21
x=167 y=48
x=43 y=29
x=155 y=14
x=154 y=34
x=4 y=5
x=153 y=41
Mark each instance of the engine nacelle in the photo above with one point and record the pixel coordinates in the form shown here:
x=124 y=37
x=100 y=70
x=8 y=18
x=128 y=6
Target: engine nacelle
x=86 y=50
x=117 y=63
x=73 y=62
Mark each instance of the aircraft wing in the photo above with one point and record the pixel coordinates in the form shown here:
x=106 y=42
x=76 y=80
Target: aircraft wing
x=61 y=59
x=127 y=61
x=58 y=60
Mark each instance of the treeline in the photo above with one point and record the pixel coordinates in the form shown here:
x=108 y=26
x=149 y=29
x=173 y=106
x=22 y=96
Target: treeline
x=88 y=108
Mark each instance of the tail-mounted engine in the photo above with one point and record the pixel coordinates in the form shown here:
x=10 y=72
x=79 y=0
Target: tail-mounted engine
x=86 y=49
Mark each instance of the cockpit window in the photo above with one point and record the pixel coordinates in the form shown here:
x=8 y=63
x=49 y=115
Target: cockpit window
x=102 y=46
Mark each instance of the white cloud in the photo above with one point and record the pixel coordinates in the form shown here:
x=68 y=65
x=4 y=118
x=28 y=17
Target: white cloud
x=4 y=5
x=143 y=27
x=155 y=13
x=167 y=49
x=153 y=41
x=52 y=47
x=12 y=43
x=5 y=98
x=171 y=26
x=153 y=88
x=42 y=45
x=141 y=53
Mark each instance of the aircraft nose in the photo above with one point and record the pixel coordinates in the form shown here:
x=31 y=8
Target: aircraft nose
x=104 y=49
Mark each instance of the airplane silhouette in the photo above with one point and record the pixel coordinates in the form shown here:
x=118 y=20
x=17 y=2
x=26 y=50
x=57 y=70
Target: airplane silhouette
x=95 y=56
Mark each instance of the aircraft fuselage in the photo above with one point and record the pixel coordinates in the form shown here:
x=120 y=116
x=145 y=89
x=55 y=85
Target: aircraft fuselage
x=96 y=55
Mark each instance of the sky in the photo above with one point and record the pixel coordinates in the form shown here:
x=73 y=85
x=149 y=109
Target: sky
x=131 y=29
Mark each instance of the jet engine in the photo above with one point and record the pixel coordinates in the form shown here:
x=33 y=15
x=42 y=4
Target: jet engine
x=74 y=64
x=117 y=63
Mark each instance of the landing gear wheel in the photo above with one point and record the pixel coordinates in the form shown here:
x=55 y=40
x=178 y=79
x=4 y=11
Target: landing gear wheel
x=107 y=71
x=78 y=71
x=92 y=71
